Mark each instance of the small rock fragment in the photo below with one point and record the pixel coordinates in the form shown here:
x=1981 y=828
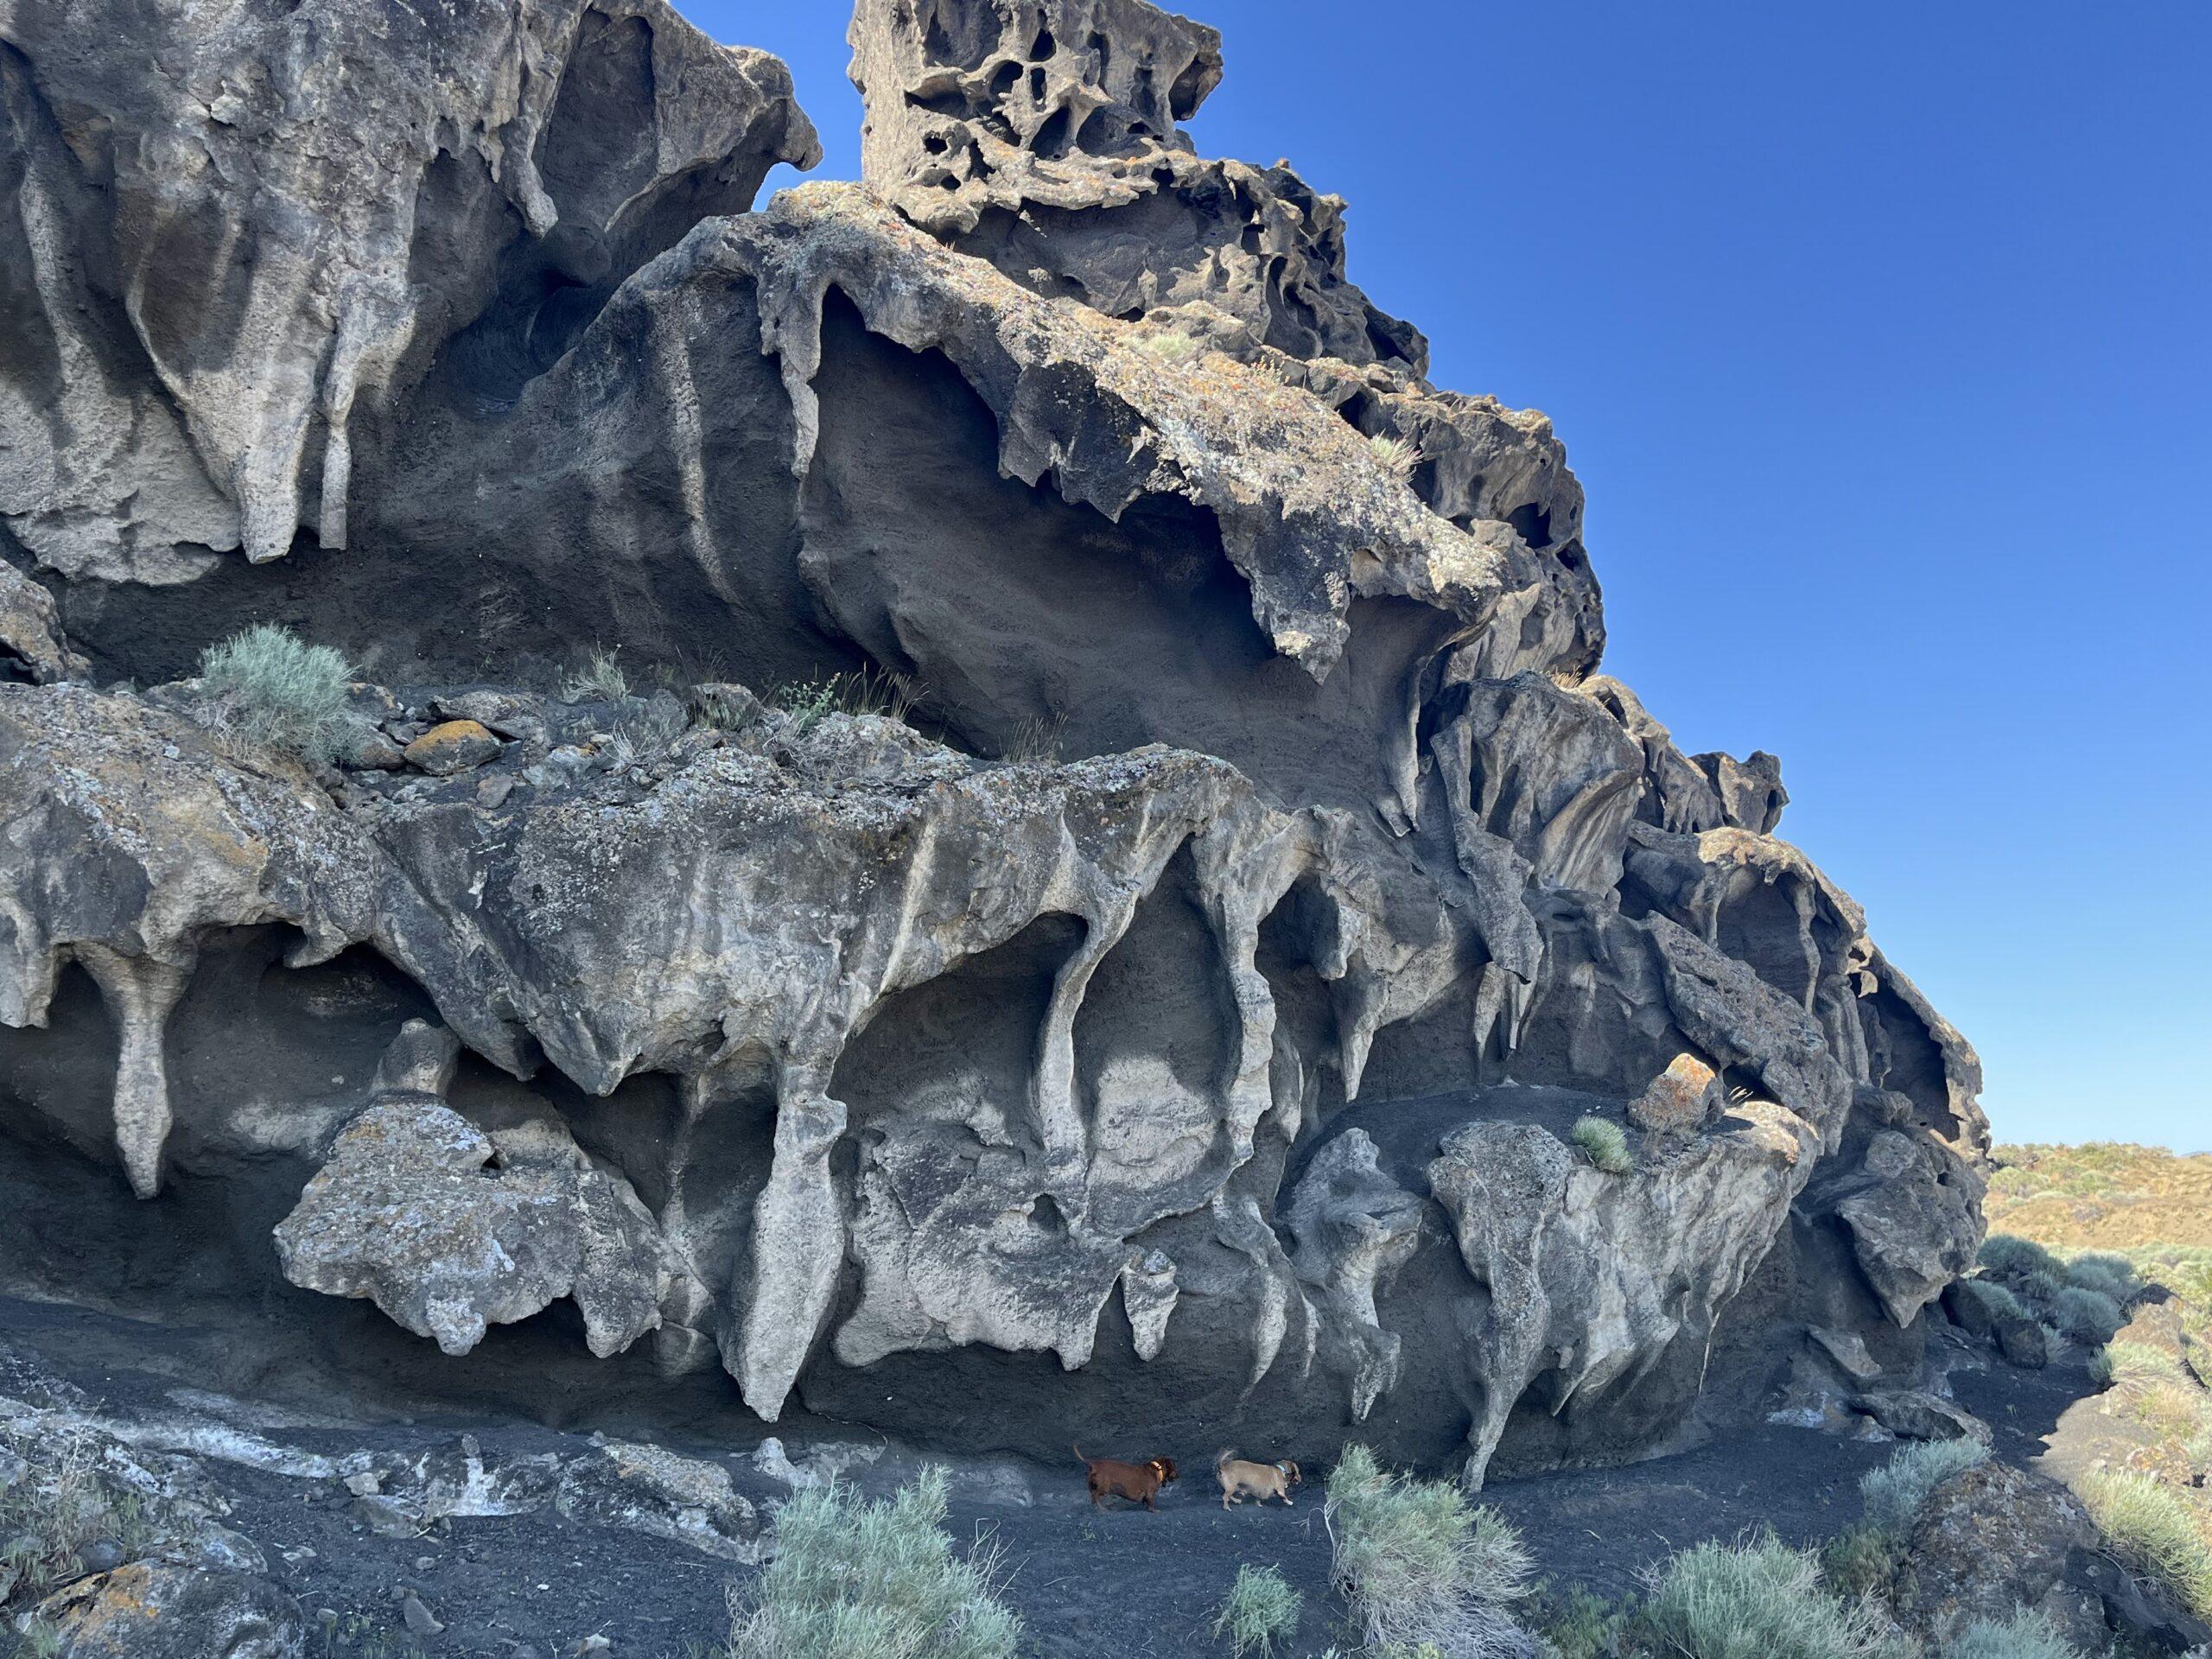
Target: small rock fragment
x=420 y=1620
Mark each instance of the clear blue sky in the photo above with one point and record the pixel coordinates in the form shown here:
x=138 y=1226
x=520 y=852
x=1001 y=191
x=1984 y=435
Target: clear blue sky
x=1881 y=336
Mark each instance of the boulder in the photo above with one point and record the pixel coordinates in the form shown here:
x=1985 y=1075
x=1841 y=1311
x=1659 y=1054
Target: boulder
x=32 y=644
x=1913 y=1238
x=406 y=1213
x=1917 y=1415
x=1681 y=1100
x=1588 y=1279
x=1996 y=1539
x=170 y=1610
x=1848 y=1350
x=451 y=746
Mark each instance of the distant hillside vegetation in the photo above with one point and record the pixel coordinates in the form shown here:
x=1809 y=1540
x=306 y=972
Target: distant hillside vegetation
x=2143 y=1201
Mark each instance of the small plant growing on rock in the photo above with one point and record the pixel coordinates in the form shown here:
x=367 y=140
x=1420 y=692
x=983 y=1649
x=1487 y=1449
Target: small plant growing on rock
x=1037 y=740
x=1420 y=1566
x=2151 y=1530
x=1604 y=1144
x=1168 y=348
x=2024 y=1636
x=865 y=691
x=1759 y=1600
x=2198 y=1450
x=53 y=1511
x=2136 y=1366
x=278 y=689
x=601 y=679
x=1395 y=455
x=853 y=1577
x=1894 y=1494
x=1263 y=1608
x=2089 y=1317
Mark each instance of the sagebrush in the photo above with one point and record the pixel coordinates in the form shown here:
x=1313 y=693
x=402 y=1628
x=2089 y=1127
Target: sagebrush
x=601 y=679
x=2154 y=1532
x=2089 y=1317
x=859 y=1579
x=1896 y=1493
x=1420 y=1565
x=1263 y=1608
x=1758 y=1599
x=2024 y=1636
x=276 y=689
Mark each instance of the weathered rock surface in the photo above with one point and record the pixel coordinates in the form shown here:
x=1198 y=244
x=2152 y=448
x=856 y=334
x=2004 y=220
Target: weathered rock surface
x=170 y=1610
x=406 y=1213
x=32 y=644
x=228 y=260
x=1996 y=1538
x=1590 y=1277
x=1195 y=986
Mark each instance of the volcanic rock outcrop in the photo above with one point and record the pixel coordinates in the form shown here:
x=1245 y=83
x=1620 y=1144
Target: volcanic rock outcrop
x=1173 y=883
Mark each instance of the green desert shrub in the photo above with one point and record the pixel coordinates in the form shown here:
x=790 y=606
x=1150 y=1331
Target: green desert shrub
x=1758 y=1599
x=1604 y=1144
x=2139 y=1365
x=2089 y=1317
x=863 y=691
x=2105 y=1274
x=1262 y=1610
x=1394 y=455
x=1995 y=1299
x=1861 y=1560
x=1418 y=1565
x=1581 y=1624
x=856 y=1579
x=600 y=680
x=282 y=691
x=1894 y=1494
x=2013 y=1256
x=2102 y=1372
x=2197 y=1448
x=2040 y=1290
x=1168 y=346
x=2024 y=1636
x=2151 y=1530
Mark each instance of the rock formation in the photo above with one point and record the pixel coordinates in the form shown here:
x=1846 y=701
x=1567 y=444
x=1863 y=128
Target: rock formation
x=1174 y=881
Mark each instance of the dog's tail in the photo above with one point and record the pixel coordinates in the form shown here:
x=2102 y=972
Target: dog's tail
x=1224 y=1460
x=1079 y=1458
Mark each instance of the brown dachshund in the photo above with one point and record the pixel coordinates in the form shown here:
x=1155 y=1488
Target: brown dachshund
x=1241 y=1480
x=1138 y=1482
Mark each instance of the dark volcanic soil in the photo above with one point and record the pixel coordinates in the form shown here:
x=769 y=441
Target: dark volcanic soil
x=1089 y=1581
